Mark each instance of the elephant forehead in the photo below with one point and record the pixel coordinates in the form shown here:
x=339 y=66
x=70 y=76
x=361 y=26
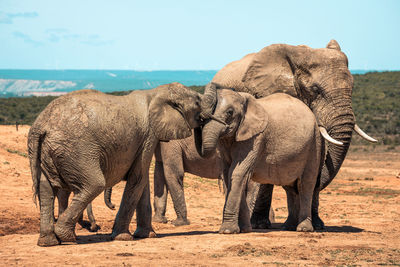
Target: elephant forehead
x=329 y=56
x=229 y=97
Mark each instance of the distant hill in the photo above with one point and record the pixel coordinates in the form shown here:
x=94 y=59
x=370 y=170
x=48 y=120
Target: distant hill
x=376 y=104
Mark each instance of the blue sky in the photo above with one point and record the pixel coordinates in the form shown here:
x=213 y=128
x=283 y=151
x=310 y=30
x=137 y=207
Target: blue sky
x=190 y=35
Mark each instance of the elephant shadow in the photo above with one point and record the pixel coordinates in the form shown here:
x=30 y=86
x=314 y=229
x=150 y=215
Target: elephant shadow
x=277 y=227
x=92 y=239
x=190 y=233
x=103 y=238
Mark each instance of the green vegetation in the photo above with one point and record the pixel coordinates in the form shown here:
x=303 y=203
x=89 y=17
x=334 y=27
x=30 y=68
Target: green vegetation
x=376 y=104
x=23 y=154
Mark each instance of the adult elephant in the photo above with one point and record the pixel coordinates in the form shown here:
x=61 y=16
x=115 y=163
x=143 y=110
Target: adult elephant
x=87 y=141
x=318 y=77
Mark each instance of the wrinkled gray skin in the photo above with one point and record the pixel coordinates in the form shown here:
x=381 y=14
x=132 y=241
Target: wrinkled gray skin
x=87 y=141
x=173 y=159
x=271 y=140
x=63 y=196
x=318 y=77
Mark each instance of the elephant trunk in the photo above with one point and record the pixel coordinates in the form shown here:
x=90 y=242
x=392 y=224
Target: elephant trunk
x=206 y=141
x=209 y=101
x=340 y=125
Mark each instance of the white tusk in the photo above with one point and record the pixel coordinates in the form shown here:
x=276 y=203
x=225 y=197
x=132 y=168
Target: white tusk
x=328 y=137
x=364 y=135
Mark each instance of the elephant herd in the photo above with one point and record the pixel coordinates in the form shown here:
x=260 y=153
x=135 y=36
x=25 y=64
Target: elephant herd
x=282 y=116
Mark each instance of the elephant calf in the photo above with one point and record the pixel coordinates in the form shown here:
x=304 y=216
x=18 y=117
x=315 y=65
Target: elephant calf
x=271 y=140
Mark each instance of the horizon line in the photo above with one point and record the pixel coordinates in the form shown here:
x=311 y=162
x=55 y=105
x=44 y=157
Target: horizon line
x=144 y=70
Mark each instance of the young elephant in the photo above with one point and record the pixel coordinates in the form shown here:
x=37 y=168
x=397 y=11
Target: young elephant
x=271 y=140
x=173 y=159
x=87 y=141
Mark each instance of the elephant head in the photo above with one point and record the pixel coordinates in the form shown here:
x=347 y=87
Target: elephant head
x=319 y=77
x=176 y=110
x=237 y=116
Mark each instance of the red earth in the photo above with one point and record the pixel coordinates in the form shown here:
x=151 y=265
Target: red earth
x=361 y=210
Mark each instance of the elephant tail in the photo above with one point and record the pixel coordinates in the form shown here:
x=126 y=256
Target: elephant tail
x=35 y=139
x=107 y=198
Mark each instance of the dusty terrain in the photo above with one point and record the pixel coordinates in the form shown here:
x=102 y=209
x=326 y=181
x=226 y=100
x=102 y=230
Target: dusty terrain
x=361 y=210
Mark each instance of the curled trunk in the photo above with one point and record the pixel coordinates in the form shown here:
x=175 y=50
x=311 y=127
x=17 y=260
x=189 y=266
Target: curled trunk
x=209 y=100
x=207 y=138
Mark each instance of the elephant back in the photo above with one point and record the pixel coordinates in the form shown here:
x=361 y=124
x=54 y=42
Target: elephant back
x=231 y=75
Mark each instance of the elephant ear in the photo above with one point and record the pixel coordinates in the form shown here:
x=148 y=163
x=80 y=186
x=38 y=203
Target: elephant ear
x=271 y=69
x=254 y=120
x=333 y=44
x=166 y=113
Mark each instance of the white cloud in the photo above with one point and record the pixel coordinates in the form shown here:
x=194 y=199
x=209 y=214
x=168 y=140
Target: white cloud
x=26 y=38
x=7 y=18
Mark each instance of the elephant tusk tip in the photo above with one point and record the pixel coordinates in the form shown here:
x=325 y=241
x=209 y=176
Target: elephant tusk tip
x=358 y=130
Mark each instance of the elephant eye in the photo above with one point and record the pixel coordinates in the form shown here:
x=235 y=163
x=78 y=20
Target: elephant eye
x=176 y=105
x=229 y=113
x=315 y=88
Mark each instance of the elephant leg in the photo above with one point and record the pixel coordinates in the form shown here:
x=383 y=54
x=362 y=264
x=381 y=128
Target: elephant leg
x=239 y=175
x=93 y=226
x=174 y=173
x=143 y=215
x=178 y=198
x=317 y=222
x=62 y=197
x=47 y=194
x=82 y=223
x=230 y=223
x=92 y=183
x=260 y=218
x=293 y=209
x=138 y=179
x=244 y=215
x=160 y=193
x=306 y=186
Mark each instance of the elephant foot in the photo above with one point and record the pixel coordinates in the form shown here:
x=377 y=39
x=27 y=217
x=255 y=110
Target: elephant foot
x=305 y=226
x=64 y=234
x=90 y=226
x=245 y=226
x=94 y=227
x=229 y=228
x=261 y=223
x=180 y=222
x=122 y=237
x=246 y=229
x=144 y=233
x=317 y=223
x=48 y=240
x=160 y=219
x=289 y=225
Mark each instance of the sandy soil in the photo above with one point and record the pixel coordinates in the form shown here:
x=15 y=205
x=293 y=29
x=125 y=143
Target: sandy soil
x=361 y=210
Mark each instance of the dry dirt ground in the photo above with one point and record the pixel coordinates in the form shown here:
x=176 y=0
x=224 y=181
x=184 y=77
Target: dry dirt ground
x=361 y=210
